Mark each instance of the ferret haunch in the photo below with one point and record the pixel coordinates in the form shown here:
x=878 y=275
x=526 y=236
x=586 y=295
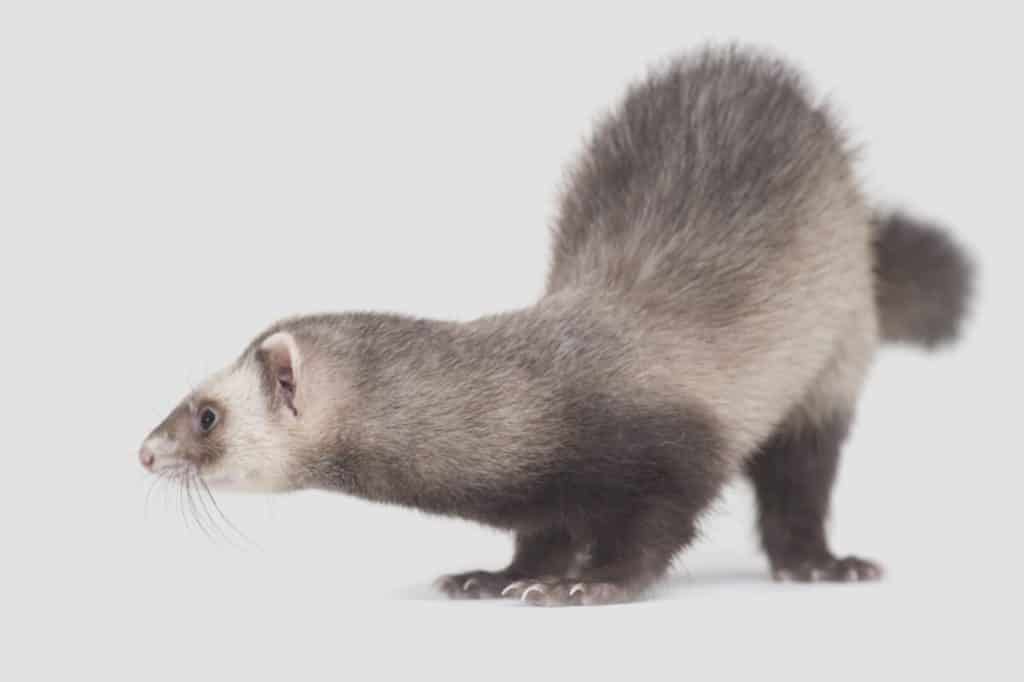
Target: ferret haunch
x=719 y=286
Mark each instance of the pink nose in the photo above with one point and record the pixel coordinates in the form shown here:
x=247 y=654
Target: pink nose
x=146 y=458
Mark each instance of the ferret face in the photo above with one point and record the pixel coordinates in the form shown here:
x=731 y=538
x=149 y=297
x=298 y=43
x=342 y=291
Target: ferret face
x=237 y=429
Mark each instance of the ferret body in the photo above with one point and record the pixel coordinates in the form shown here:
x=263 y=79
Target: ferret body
x=718 y=289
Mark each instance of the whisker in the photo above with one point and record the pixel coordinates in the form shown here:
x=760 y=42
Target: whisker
x=180 y=480
x=169 y=480
x=192 y=506
x=197 y=482
x=222 y=515
x=197 y=504
x=153 y=483
x=163 y=479
x=176 y=478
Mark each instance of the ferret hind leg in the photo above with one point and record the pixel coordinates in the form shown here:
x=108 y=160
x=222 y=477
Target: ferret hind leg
x=794 y=471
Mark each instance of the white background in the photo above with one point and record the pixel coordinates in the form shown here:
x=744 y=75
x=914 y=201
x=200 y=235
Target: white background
x=175 y=176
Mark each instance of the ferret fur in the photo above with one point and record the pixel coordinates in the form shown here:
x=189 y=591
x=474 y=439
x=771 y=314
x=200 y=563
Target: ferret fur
x=719 y=286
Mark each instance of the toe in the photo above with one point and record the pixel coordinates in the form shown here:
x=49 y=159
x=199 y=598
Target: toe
x=537 y=594
x=573 y=593
x=848 y=569
x=458 y=587
x=855 y=569
x=472 y=585
x=514 y=590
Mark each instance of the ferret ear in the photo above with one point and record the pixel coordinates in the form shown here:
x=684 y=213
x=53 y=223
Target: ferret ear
x=282 y=368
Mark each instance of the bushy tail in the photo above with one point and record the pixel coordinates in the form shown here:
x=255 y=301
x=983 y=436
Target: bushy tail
x=924 y=282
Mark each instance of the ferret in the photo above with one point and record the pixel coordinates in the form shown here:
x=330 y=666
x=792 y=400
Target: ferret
x=718 y=287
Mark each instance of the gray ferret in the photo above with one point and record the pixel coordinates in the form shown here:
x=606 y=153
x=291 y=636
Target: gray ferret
x=718 y=288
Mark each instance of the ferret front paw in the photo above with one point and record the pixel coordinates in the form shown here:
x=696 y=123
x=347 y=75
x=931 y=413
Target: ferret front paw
x=474 y=584
x=565 y=592
x=828 y=569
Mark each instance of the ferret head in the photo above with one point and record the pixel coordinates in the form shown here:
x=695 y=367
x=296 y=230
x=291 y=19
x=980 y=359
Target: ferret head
x=240 y=429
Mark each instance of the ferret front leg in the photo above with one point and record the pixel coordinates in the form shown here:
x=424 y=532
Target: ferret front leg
x=622 y=558
x=624 y=507
x=545 y=554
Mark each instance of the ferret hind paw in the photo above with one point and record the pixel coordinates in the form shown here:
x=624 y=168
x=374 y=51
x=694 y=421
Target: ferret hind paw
x=829 y=569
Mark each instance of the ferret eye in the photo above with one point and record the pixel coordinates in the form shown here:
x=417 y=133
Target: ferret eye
x=207 y=419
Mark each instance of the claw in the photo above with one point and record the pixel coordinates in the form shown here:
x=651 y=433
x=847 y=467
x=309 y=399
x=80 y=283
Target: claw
x=536 y=587
x=469 y=583
x=511 y=588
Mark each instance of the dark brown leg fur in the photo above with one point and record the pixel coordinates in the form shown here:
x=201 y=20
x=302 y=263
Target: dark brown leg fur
x=616 y=558
x=620 y=500
x=793 y=475
x=545 y=553
x=612 y=561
